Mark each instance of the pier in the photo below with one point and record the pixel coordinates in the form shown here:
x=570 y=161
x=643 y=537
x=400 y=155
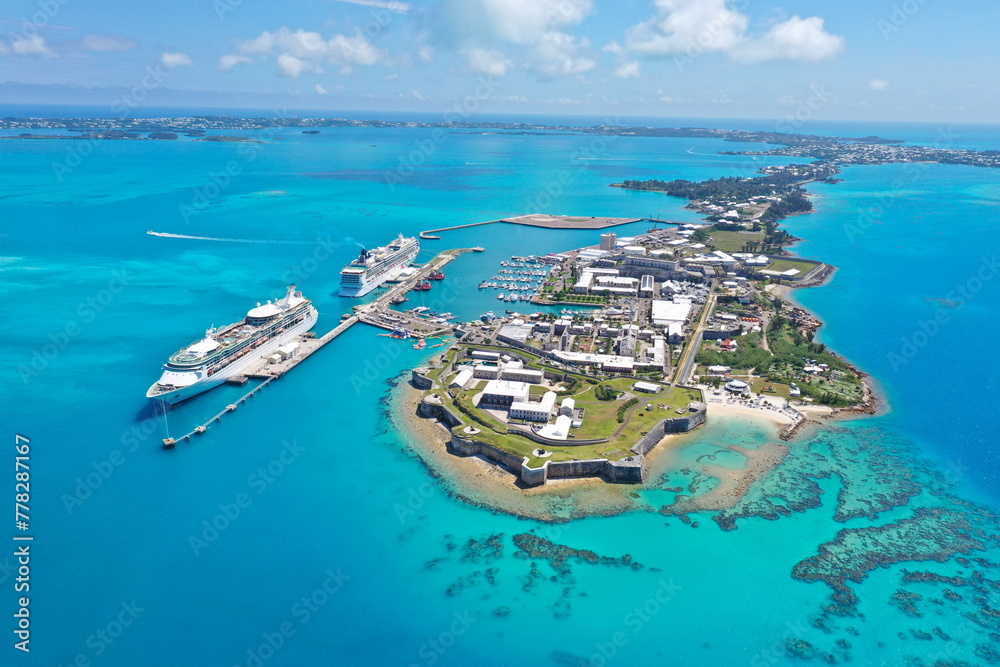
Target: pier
x=198 y=430
x=377 y=313
x=545 y=221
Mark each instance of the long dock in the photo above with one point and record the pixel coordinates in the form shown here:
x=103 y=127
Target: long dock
x=198 y=430
x=377 y=313
x=544 y=220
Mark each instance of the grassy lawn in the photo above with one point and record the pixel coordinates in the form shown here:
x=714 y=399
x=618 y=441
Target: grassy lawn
x=733 y=241
x=783 y=264
x=600 y=421
x=780 y=390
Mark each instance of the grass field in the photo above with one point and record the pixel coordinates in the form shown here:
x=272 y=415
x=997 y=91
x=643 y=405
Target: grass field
x=783 y=264
x=600 y=420
x=733 y=241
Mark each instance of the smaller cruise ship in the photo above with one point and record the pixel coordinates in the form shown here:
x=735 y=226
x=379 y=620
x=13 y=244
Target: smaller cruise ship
x=374 y=267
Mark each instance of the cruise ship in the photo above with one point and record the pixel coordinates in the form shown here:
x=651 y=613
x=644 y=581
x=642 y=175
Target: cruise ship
x=229 y=351
x=374 y=267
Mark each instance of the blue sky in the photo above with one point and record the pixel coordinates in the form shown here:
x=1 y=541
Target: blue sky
x=916 y=60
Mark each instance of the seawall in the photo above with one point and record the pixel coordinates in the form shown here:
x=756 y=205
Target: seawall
x=631 y=469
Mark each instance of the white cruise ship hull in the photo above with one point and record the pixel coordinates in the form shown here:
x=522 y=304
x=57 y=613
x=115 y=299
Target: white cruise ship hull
x=238 y=367
x=365 y=287
x=366 y=283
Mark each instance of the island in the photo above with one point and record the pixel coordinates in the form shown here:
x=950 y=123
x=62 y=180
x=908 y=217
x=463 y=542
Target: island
x=836 y=150
x=660 y=331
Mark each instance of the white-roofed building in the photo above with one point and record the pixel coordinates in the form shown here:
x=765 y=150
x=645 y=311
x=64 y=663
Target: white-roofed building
x=537 y=412
x=288 y=349
x=486 y=371
x=463 y=379
x=484 y=354
x=557 y=431
x=648 y=387
x=519 y=374
x=617 y=281
x=503 y=393
x=665 y=312
x=617 y=364
x=514 y=333
x=646 y=286
x=567 y=406
x=738 y=387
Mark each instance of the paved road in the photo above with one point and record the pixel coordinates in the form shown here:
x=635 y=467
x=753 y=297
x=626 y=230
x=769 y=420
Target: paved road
x=687 y=359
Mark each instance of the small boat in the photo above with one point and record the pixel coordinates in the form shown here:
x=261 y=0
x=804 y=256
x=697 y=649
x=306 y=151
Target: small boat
x=501 y=296
x=436 y=275
x=422 y=286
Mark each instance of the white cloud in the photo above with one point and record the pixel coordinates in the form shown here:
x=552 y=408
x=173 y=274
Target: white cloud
x=229 y=62
x=628 y=70
x=794 y=39
x=172 y=59
x=483 y=61
x=515 y=21
x=305 y=51
x=557 y=55
x=321 y=90
x=108 y=43
x=391 y=5
x=694 y=27
x=615 y=48
x=494 y=35
x=878 y=84
x=687 y=25
x=31 y=46
x=391 y=77
x=291 y=66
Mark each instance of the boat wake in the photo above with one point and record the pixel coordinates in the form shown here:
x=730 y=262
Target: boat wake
x=211 y=238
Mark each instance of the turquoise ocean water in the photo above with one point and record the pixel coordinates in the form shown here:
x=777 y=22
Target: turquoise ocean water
x=332 y=544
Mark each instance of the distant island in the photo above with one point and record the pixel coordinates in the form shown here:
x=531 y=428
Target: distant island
x=837 y=150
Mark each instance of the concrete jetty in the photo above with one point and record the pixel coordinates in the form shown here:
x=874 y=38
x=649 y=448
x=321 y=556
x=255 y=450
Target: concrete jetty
x=547 y=222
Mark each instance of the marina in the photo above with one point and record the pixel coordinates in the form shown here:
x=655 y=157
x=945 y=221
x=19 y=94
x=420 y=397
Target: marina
x=520 y=279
